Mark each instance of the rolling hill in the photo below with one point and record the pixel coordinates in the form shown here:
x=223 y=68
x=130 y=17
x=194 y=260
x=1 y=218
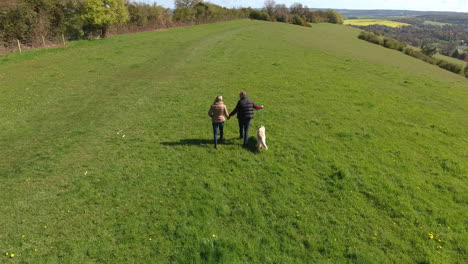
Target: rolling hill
x=106 y=151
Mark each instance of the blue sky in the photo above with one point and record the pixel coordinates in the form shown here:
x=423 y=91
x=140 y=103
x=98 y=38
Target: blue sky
x=423 y=5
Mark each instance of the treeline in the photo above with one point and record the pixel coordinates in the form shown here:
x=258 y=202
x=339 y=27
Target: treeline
x=33 y=21
x=446 y=38
x=449 y=19
x=424 y=54
x=295 y=14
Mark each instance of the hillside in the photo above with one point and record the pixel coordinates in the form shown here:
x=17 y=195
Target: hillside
x=107 y=154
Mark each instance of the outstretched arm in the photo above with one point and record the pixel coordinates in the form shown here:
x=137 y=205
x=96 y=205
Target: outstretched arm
x=235 y=110
x=226 y=113
x=258 y=107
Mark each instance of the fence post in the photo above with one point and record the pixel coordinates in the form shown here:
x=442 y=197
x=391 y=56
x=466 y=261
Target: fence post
x=19 y=45
x=63 y=39
x=43 y=41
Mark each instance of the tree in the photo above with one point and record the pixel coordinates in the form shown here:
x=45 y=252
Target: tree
x=186 y=3
x=282 y=13
x=269 y=7
x=298 y=9
x=455 y=54
x=98 y=15
x=429 y=50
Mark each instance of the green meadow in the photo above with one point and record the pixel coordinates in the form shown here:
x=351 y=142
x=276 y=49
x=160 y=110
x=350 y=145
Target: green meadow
x=107 y=155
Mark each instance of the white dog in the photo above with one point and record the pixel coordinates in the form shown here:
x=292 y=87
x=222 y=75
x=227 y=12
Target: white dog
x=261 y=138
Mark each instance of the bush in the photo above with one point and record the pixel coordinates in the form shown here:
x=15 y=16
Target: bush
x=393 y=44
x=466 y=71
x=334 y=17
x=449 y=66
x=259 y=15
x=370 y=37
x=297 y=20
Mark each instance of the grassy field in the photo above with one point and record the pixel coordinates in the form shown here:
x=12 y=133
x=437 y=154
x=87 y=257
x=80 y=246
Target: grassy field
x=461 y=63
x=106 y=152
x=434 y=23
x=368 y=22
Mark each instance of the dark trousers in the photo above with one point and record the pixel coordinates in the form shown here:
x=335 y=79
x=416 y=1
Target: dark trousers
x=215 y=131
x=244 y=125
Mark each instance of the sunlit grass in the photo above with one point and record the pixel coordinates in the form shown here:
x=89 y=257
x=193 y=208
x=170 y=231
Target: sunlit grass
x=106 y=152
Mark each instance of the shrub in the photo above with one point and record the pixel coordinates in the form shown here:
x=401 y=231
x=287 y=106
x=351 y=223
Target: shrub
x=466 y=71
x=449 y=66
x=297 y=20
x=334 y=17
x=393 y=44
x=370 y=37
x=259 y=15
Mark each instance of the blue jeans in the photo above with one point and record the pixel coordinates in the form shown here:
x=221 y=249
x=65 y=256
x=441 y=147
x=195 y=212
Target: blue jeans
x=244 y=125
x=215 y=131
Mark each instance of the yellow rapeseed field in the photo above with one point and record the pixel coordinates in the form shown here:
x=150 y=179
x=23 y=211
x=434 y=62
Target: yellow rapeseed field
x=368 y=22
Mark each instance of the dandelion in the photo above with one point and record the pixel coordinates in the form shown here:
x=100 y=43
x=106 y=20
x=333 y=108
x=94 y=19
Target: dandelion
x=23 y=236
x=439 y=246
x=6 y=254
x=431 y=235
x=45 y=227
x=150 y=239
x=35 y=249
x=213 y=235
x=12 y=255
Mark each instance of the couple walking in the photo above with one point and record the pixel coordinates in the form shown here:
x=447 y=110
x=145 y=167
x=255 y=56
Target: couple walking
x=244 y=110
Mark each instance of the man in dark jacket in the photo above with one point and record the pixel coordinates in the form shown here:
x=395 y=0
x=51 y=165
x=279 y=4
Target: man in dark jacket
x=244 y=110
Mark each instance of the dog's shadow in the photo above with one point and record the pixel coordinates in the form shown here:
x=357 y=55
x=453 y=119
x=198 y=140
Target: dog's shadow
x=252 y=145
x=197 y=142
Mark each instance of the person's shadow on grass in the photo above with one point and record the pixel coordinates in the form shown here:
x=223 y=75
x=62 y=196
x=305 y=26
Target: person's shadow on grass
x=251 y=146
x=197 y=142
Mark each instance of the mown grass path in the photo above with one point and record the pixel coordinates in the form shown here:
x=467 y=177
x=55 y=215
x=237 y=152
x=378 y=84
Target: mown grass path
x=106 y=153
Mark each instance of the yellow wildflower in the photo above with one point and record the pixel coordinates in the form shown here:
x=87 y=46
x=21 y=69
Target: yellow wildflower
x=431 y=235
x=12 y=255
x=213 y=235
